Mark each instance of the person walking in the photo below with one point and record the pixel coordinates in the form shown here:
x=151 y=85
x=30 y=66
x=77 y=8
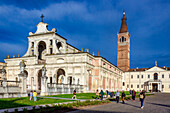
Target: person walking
x=74 y=94
x=107 y=93
x=130 y=92
x=133 y=95
x=117 y=96
x=31 y=94
x=97 y=94
x=123 y=97
x=101 y=94
x=35 y=96
x=142 y=97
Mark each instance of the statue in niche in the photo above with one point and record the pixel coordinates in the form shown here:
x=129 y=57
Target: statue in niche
x=44 y=71
x=22 y=66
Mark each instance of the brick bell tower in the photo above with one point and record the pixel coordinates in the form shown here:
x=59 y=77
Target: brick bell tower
x=123 y=46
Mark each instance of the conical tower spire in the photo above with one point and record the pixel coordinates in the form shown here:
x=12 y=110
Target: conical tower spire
x=123 y=28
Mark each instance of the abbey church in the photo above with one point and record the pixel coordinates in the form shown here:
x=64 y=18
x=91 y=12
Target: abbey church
x=68 y=68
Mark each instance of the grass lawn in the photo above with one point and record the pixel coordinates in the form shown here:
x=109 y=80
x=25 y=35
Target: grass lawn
x=78 y=95
x=24 y=101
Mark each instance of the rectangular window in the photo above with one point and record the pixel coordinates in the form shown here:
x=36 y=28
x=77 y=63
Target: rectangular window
x=131 y=76
x=123 y=83
x=50 y=80
x=141 y=86
x=127 y=86
x=141 y=76
x=51 y=50
x=132 y=86
x=162 y=86
x=169 y=75
x=169 y=86
x=162 y=75
x=137 y=86
x=137 y=76
x=148 y=76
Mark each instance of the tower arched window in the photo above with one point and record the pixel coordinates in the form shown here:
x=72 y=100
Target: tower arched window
x=123 y=38
x=120 y=39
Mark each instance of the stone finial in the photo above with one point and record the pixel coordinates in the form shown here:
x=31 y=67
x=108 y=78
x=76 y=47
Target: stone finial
x=81 y=49
x=13 y=56
x=136 y=67
x=53 y=30
x=30 y=33
x=155 y=63
x=8 y=56
x=87 y=50
x=98 y=53
x=18 y=55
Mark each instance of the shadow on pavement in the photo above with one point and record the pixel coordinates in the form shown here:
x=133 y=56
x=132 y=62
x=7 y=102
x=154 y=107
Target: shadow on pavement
x=159 y=104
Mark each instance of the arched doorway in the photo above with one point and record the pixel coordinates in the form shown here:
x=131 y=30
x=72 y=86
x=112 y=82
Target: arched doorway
x=41 y=50
x=60 y=78
x=39 y=79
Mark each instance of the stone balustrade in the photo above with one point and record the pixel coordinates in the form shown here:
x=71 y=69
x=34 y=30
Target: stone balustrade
x=54 y=88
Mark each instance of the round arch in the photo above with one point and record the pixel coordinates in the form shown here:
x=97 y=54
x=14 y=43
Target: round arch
x=60 y=74
x=41 y=49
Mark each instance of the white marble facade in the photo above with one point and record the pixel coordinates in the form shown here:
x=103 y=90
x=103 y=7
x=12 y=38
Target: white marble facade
x=64 y=63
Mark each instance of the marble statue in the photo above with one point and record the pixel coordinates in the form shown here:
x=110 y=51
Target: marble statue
x=22 y=66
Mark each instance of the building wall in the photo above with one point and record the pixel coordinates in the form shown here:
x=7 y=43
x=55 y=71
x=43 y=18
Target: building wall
x=140 y=81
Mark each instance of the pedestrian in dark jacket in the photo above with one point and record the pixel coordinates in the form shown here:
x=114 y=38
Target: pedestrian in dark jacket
x=142 y=97
x=101 y=94
x=133 y=95
x=123 y=97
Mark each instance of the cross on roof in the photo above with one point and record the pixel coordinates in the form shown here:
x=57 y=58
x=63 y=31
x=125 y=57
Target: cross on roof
x=42 y=16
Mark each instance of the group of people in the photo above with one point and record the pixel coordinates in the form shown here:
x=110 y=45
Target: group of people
x=133 y=93
x=33 y=94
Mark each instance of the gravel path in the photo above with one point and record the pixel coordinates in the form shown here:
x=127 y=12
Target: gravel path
x=158 y=103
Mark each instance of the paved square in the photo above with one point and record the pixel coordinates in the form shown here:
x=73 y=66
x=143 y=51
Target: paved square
x=158 y=103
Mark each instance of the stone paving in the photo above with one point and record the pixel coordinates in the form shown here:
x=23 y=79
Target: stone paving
x=158 y=103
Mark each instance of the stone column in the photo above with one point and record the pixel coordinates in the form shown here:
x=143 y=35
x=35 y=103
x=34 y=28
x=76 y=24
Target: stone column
x=23 y=84
x=160 y=85
x=151 y=87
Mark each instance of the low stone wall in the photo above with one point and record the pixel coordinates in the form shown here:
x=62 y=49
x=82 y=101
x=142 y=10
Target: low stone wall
x=11 y=89
x=9 y=92
x=54 y=89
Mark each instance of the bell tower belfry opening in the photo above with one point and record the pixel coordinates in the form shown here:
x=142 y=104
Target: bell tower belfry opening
x=123 y=49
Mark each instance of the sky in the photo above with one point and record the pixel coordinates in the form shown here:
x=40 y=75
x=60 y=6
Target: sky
x=91 y=24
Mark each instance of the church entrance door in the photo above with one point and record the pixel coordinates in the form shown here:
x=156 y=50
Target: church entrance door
x=155 y=87
x=39 y=79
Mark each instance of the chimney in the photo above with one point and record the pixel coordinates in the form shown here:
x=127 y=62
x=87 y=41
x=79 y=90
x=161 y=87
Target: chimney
x=98 y=53
x=81 y=49
x=93 y=53
x=18 y=55
x=13 y=56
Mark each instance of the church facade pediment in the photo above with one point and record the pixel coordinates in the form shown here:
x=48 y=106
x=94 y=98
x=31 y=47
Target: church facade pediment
x=155 y=69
